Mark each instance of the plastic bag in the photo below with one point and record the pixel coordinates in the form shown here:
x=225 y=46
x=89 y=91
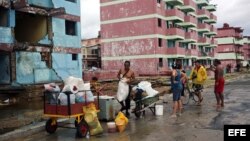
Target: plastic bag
x=121 y=121
x=91 y=118
x=64 y=99
x=123 y=90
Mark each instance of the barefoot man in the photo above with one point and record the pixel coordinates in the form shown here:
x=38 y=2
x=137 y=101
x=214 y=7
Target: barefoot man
x=219 y=83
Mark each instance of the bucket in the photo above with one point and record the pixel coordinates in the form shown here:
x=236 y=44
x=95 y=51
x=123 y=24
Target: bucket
x=111 y=127
x=159 y=110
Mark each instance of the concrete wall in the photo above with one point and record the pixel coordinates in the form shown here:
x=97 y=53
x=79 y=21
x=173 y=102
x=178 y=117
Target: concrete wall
x=30 y=69
x=41 y=3
x=72 y=8
x=65 y=66
x=6 y=35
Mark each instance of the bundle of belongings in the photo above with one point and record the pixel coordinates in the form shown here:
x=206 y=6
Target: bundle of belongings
x=143 y=90
x=78 y=91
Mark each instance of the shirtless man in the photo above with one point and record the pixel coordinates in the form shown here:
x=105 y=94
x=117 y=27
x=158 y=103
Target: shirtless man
x=130 y=76
x=219 y=83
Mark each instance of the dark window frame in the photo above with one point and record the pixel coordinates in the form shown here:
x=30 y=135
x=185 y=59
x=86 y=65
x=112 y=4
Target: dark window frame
x=70 y=28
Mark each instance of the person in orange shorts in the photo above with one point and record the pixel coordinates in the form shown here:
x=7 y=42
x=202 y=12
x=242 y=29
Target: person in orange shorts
x=219 y=83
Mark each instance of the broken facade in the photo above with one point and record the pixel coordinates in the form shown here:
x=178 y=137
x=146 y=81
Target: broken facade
x=40 y=41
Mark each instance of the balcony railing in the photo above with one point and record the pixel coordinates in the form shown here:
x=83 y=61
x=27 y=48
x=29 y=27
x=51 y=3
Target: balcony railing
x=174 y=14
x=189 y=6
x=176 y=51
x=203 y=13
x=175 y=33
x=191 y=36
x=190 y=19
x=192 y=52
x=203 y=27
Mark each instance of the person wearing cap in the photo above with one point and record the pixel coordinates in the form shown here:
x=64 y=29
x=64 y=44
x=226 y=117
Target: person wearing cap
x=198 y=76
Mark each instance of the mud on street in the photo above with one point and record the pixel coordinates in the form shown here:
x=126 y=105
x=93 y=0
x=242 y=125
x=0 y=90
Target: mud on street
x=195 y=124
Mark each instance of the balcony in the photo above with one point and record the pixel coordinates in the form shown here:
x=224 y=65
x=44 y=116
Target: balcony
x=203 y=41
x=174 y=2
x=214 y=43
x=203 y=14
x=213 y=31
x=180 y=52
x=212 y=19
x=189 y=21
x=203 y=27
x=175 y=34
x=174 y=15
x=211 y=8
x=192 y=52
x=202 y=2
x=191 y=37
x=211 y=54
x=189 y=6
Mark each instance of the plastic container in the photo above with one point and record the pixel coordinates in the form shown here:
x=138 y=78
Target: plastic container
x=159 y=110
x=111 y=127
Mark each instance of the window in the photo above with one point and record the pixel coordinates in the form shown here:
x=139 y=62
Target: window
x=159 y=42
x=74 y=57
x=70 y=27
x=71 y=0
x=3 y=17
x=160 y=62
x=159 y=22
x=159 y=1
x=171 y=43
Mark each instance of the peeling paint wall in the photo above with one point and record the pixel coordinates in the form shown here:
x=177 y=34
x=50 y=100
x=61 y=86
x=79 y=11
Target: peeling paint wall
x=148 y=66
x=41 y=3
x=65 y=66
x=30 y=69
x=5 y=35
x=129 y=47
x=61 y=39
x=72 y=8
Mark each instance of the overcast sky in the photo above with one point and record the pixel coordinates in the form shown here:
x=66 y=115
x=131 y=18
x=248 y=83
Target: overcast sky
x=233 y=12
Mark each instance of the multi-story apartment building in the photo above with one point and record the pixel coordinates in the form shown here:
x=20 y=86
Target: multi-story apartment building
x=40 y=41
x=230 y=45
x=246 y=50
x=152 y=34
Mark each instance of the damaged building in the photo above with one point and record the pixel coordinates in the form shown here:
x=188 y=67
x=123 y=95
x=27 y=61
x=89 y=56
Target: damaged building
x=40 y=42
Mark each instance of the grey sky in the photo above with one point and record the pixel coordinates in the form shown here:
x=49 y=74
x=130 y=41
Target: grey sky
x=233 y=12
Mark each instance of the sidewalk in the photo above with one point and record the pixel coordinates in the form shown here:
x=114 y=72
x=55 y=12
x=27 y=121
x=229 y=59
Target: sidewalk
x=38 y=127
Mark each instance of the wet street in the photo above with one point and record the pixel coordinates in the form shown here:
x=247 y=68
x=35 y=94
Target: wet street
x=197 y=123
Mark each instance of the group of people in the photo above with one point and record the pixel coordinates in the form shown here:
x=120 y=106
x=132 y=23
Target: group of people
x=178 y=81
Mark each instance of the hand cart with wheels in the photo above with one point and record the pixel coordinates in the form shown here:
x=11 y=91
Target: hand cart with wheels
x=55 y=111
x=143 y=103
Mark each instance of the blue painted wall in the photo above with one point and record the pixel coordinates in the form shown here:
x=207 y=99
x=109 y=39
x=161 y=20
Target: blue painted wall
x=72 y=8
x=42 y=3
x=5 y=35
x=61 y=39
x=30 y=69
x=65 y=66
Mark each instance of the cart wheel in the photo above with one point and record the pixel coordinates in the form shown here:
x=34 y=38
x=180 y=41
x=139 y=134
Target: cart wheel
x=82 y=129
x=137 y=111
x=49 y=127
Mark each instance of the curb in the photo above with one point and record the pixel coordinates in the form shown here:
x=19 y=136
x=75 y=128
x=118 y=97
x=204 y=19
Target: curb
x=25 y=131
